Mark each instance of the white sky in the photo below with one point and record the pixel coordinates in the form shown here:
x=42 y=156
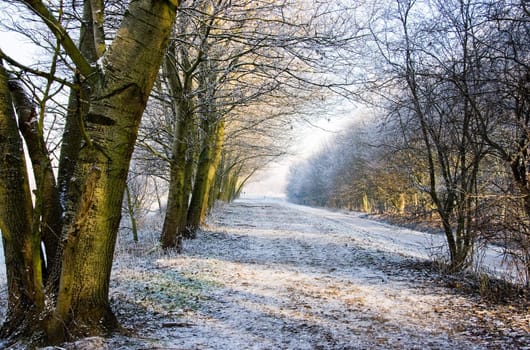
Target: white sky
x=272 y=181
x=17 y=46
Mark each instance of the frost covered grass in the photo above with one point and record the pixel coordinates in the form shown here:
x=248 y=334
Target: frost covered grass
x=271 y=275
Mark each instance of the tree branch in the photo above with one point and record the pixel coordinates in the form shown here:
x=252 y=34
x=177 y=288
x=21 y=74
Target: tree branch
x=98 y=30
x=37 y=7
x=36 y=72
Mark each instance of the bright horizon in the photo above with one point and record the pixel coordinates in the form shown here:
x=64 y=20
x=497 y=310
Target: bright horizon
x=272 y=180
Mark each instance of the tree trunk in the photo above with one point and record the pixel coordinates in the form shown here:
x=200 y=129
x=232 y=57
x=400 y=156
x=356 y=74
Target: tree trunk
x=177 y=203
x=131 y=212
x=216 y=185
x=78 y=105
x=47 y=204
x=189 y=178
x=224 y=176
x=21 y=242
x=230 y=191
x=208 y=162
x=120 y=89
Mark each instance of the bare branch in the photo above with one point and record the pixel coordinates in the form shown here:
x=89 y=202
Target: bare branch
x=37 y=7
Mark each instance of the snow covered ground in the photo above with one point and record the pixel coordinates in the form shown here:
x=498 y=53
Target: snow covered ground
x=3 y=281
x=406 y=242
x=266 y=274
x=2 y=264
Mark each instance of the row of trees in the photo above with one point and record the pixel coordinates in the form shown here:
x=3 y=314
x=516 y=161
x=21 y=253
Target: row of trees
x=227 y=91
x=198 y=100
x=132 y=99
x=63 y=287
x=229 y=98
x=452 y=93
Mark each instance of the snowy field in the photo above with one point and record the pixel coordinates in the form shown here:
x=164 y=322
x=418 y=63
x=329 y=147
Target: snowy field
x=265 y=274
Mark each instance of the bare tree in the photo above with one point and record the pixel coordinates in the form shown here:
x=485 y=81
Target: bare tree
x=245 y=69
x=114 y=90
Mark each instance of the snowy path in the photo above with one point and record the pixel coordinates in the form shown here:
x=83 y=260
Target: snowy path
x=271 y=275
x=402 y=241
x=266 y=274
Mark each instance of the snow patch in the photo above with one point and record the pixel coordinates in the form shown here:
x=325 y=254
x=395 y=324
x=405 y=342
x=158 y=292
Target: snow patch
x=271 y=275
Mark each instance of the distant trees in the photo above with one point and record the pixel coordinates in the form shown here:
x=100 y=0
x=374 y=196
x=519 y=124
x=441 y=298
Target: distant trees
x=452 y=80
x=356 y=171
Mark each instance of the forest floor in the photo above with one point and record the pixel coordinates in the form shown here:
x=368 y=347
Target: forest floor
x=266 y=274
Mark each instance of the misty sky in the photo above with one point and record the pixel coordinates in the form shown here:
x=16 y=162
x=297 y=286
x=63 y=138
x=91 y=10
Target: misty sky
x=271 y=181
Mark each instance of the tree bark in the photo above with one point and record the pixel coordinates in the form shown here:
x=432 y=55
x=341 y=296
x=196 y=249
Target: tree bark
x=21 y=242
x=175 y=220
x=47 y=196
x=208 y=162
x=120 y=89
x=78 y=105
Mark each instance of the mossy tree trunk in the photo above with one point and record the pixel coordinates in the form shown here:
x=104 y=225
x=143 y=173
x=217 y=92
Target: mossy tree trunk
x=119 y=98
x=208 y=162
x=228 y=180
x=181 y=66
x=78 y=105
x=119 y=88
x=181 y=162
x=47 y=204
x=21 y=242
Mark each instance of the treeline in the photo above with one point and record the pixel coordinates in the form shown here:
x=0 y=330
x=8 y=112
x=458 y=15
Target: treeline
x=235 y=80
x=354 y=171
x=131 y=105
x=451 y=132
